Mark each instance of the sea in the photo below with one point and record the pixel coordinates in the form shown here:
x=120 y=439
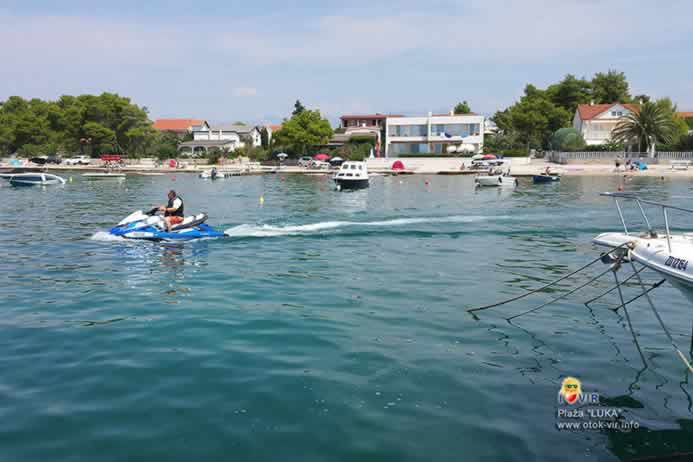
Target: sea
x=332 y=326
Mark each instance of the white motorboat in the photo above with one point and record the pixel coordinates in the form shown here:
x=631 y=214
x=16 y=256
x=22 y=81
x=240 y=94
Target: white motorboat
x=212 y=174
x=494 y=179
x=104 y=176
x=34 y=179
x=670 y=254
x=352 y=175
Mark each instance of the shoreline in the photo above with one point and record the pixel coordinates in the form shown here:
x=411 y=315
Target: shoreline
x=519 y=167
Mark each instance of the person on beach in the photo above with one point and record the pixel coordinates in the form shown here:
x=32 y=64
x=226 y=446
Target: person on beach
x=173 y=211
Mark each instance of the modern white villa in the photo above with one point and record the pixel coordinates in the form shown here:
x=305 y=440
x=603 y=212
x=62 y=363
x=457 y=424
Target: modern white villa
x=434 y=134
x=596 y=121
x=229 y=136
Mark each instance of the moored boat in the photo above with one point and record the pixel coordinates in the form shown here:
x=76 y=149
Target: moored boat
x=212 y=174
x=670 y=254
x=495 y=179
x=35 y=179
x=546 y=178
x=352 y=175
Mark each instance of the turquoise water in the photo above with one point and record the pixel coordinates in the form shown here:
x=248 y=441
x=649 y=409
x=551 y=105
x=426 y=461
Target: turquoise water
x=330 y=326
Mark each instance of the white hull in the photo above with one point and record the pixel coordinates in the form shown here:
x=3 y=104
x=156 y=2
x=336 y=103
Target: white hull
x=207 y=175
x=653 y=252
x=495 y=181
x=35 y=179
x=352 y=175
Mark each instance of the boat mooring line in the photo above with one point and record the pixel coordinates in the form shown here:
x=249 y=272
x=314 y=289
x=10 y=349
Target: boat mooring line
x=544 y=287
x=630 y=325
x=654 y=286
x=570 y=292
x=661 y=323
x=587 y=303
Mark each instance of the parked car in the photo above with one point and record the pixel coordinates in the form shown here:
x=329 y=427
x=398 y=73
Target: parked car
x=305 y=162
x=54 y=160
x=79 y=160
x=318 y=164
x=40 y=160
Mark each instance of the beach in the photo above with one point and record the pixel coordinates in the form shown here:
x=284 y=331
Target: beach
x=519 y=166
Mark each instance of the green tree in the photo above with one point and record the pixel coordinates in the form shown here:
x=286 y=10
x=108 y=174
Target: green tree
x=610 y=87
x=570 y=92
x=645 y=128
x=103 y=138
x=533 y=119
x=567 y=139
x=307 y=128
x=462 y=108
x=264 y=138
x=298 y=108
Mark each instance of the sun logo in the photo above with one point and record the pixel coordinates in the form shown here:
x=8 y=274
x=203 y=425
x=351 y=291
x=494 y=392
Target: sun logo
x=570 y=390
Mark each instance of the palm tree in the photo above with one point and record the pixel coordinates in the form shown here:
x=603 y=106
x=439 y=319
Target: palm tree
x=650 y=125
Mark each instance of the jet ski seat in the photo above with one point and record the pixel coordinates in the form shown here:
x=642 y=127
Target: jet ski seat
x=190 y=221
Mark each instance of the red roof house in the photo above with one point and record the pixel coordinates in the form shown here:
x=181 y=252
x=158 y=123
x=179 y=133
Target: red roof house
x=180 y=126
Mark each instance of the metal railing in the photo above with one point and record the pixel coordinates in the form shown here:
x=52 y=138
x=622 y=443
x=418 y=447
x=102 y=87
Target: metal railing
x=562 y=157
x=629 y=196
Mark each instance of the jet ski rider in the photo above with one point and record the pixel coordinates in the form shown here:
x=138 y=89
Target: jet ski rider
x=173 y=212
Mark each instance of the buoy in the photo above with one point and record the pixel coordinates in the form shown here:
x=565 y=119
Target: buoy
x=262 y=200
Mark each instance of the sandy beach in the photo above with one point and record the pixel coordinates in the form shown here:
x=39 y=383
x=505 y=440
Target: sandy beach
x=519 y=166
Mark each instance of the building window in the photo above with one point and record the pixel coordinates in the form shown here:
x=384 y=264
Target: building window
x=408 y=130
x=455 y=129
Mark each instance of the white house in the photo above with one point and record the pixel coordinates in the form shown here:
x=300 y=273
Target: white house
x=596 y=121
x=434 y=134
x=229 y=137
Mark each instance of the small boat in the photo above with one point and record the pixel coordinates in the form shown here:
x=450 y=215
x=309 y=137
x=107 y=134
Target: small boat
x=352 y=175
x=495 y=180
x=104 y=175
x=670 y=254
x=212 y=174
x=546 y=178
x=35 y=179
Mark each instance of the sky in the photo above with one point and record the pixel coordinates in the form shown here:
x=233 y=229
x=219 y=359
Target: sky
x=225 y=60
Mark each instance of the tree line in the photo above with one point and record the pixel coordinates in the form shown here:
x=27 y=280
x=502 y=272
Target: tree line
x=542 y=118
x=88 y=124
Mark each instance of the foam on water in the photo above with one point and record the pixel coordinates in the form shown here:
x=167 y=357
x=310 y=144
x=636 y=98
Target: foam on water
x=103 y=236
x=247 y=230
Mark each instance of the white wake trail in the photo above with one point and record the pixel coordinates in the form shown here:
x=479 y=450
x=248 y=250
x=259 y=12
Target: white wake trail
x=247 y=230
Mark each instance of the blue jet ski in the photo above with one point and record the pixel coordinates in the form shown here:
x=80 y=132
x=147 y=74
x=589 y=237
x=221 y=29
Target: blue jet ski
x=149 y=226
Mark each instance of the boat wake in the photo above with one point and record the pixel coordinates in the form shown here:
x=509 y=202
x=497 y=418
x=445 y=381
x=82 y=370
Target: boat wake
x=247 y=230
x=103 y=236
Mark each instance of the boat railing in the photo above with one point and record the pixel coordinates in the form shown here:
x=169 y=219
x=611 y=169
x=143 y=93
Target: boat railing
x=640 y=201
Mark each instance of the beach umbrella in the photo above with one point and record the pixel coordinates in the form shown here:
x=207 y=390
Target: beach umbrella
x=477 y=157
x=321 y=156
x=451 y=148
x=488 y=156
x=397 y=165
x=282 y=155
